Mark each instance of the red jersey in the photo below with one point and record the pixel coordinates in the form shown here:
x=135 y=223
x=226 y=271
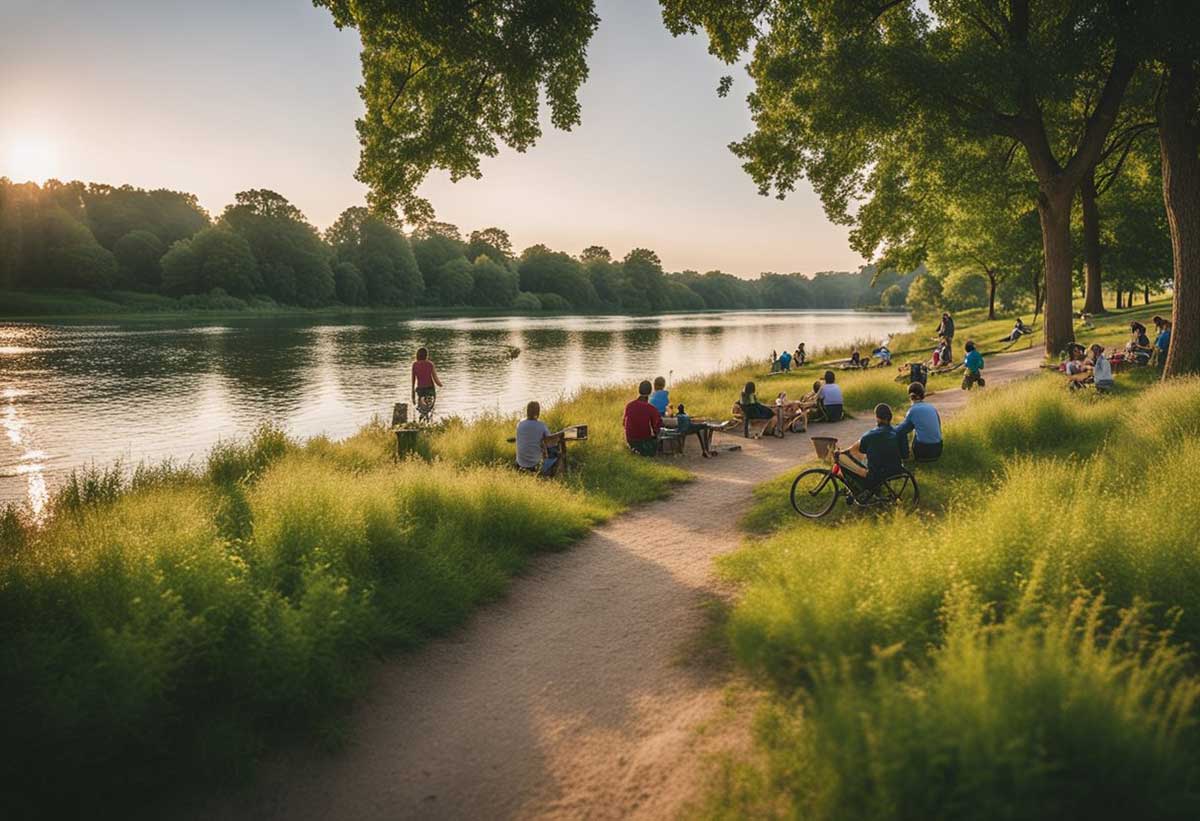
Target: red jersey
x=422 y=373
x=642 y=421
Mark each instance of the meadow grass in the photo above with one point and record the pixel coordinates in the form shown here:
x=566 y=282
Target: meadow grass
x=1022 y=646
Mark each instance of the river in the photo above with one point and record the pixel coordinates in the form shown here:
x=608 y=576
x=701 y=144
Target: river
x=79 y=394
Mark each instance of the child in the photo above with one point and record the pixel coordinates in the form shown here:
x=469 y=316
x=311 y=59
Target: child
x=974 y=365
x=660 y=398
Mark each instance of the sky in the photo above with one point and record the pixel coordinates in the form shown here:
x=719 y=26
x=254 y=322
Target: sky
x=220 y=96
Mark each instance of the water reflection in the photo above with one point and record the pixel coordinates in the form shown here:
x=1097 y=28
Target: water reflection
x=74 y=395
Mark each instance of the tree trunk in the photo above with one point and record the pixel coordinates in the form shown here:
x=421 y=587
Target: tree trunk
x=1093 y=302
x=1146 y=294
x=991 y=275
x=1054 y=208
x=1179 y=139
x=1120 y=300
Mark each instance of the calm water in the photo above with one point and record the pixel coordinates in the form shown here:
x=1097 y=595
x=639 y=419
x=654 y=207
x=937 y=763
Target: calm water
x=72 y=395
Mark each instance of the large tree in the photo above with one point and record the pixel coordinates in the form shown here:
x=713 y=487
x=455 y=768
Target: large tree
x=380 y=254
x=445 y=80
x=292 y=260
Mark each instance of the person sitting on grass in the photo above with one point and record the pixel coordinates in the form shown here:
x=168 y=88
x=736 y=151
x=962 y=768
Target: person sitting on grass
x=801 y=355
x=855 y=359
x=1139 y=346
x=1076 y=360
x=753 y=409
x=1162 y=341
x=424 y=380
x=1096 y=370
x=881 y=449
x=785 y=362
x=1019 y=330
x=829 y=400
x=532 y=436
x=642 y=422
x=923 y=421
x=942 y=356
x=973 y=362
x=660 y=399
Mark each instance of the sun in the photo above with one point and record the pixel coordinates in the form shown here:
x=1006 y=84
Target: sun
x=30 y=159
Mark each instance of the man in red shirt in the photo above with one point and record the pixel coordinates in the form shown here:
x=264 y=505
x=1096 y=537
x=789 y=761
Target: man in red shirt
x=642 y=421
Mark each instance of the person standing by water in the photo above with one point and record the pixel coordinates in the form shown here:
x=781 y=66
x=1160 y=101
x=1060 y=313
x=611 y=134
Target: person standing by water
x=424 y=381
x=642 y=422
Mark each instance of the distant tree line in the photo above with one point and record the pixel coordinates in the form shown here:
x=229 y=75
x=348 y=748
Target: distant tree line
x=100 y=238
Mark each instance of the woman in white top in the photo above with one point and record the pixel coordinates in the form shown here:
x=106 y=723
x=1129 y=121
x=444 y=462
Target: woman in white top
x=829 y=399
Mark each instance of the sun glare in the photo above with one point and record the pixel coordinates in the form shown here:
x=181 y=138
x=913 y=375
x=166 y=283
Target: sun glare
x=30 y=159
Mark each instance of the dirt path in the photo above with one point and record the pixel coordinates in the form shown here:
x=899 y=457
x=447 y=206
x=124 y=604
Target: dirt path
x=573 y=697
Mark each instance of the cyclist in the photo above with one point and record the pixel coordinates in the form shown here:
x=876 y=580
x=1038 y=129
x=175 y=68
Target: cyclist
x=424 y=380
x=880 y=447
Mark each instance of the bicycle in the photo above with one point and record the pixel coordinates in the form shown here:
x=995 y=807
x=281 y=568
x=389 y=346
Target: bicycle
x=816 y=490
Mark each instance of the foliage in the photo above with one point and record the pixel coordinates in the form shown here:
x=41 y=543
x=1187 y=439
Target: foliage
x=215 y=258
x=966 y=289
x=381 y=254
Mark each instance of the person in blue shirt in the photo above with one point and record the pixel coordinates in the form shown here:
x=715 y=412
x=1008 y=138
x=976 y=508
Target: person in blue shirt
x=1162 y=342
x=879 y=447
x=923 y=422
x=660 y=398
x=973 y=362
x=785 y=362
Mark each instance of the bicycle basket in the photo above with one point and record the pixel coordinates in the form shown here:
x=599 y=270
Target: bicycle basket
x=824 y=446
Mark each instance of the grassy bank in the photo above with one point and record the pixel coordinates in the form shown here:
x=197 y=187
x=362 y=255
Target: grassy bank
x=1023 y=646
x=165 y=626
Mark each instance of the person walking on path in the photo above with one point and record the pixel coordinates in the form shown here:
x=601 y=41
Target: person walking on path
x=974 y=365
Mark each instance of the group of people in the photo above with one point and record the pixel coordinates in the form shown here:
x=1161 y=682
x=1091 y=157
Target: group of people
x=783 y=362
x=823 y=403
x=651 y=411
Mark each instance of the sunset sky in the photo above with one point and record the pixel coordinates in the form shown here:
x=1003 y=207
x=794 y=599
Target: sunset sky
x=225 y=95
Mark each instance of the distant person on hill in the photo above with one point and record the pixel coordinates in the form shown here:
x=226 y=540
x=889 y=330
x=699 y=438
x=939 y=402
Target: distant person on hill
x=877 y=455
x=1019 y=330
x=923 y=421
x=829 y=399
x=945 y=328
x=973 y=362
x=642 y=422
x=753 y=409
x=785 y=362
x=425 y=380
x=801 y=355
x=660 y=399
x=532 y=436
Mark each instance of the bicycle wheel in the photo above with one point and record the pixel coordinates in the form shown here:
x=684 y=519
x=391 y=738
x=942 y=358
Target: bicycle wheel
x=902 y=490
x=814 y=493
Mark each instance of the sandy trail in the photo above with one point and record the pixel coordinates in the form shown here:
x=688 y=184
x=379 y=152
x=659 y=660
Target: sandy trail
x=572 y=697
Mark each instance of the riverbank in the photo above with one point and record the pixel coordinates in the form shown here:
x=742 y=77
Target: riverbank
x=166 y=627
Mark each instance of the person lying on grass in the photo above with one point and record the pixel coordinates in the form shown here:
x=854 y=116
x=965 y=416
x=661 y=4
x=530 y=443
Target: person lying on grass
x=876 y=456
x=1019 y=330
x=973 y=362
x=923 y=421
x=533 y=437
x=829 y=400
x=642 y=422
x=753 y=409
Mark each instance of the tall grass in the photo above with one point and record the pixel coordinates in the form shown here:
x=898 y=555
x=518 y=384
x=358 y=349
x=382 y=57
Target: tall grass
x=896 y=699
